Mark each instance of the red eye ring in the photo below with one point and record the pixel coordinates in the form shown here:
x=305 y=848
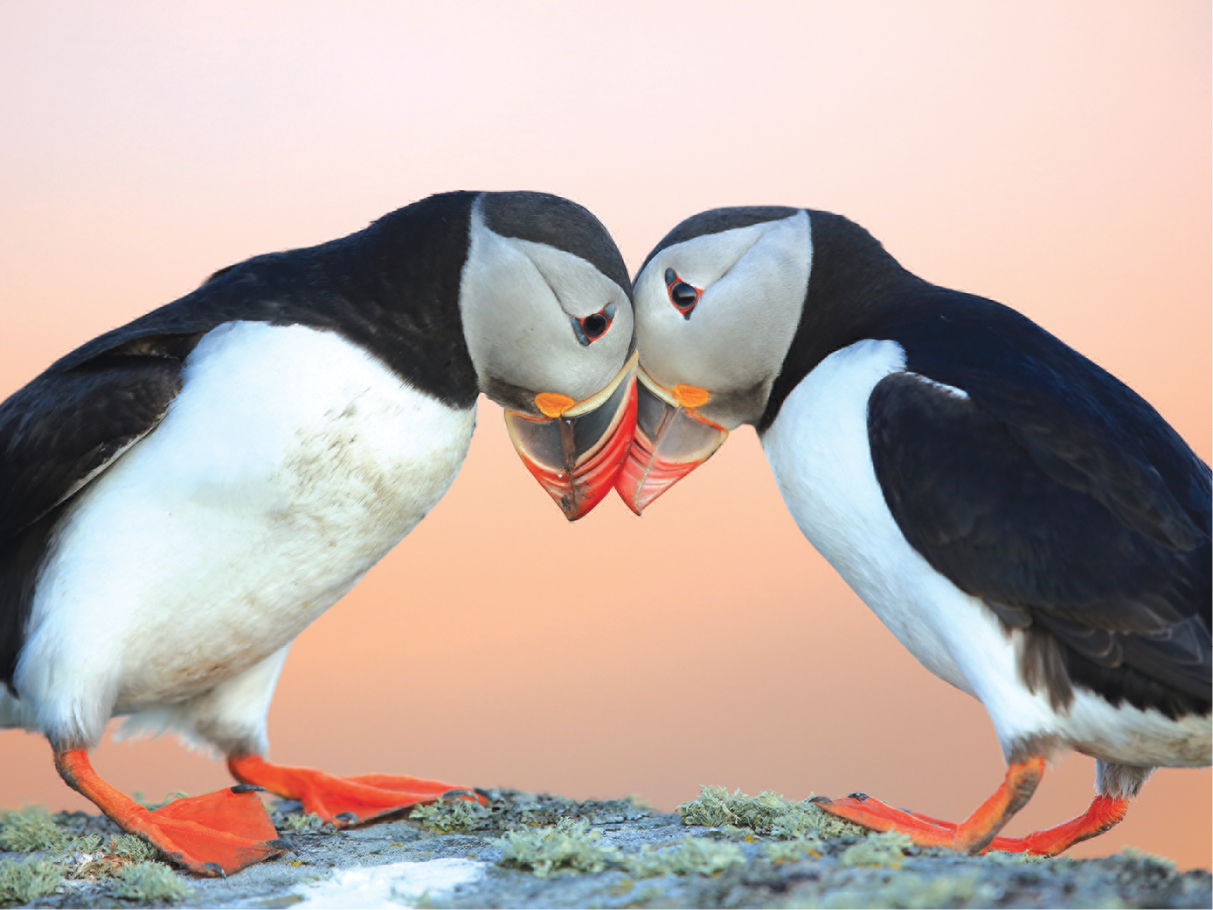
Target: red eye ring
x=683 y=296
x=589 y=329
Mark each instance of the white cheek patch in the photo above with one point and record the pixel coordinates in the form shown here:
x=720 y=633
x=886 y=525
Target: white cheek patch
x=754 y=281
x=518 y=299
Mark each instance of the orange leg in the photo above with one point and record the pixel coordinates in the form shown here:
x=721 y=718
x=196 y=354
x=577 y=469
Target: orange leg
x=341 y=800
x=215 y=834
x=973 y=835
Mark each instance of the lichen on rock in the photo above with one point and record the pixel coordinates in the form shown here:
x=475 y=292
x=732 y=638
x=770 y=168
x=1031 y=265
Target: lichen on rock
x=569 y=844
x=768 y=813
x=150 y=883
x=794 y=850
x=691 y=856
x=22 y=882
x=450 y=815
x=880 y=850
x=30 y=830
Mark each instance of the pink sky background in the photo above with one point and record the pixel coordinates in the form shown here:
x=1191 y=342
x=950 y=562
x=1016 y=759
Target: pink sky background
x=1052 y=156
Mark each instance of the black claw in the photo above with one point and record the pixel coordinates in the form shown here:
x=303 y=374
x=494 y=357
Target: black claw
x=453 y=794
x=214 y=869
x=347 y=817
x=283 y=844
x=821 y=800
x=247 y=788
x=480 y=791
x=858 y=795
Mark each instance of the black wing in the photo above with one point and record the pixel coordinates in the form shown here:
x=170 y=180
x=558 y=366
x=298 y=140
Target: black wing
x=59 y=433
x=1058 y=496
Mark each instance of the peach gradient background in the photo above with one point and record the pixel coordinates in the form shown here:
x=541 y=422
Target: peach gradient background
x=1053 y=156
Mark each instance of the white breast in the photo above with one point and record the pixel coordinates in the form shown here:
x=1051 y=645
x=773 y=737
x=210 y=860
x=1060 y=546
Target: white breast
x=290 y=462
x=819 y=452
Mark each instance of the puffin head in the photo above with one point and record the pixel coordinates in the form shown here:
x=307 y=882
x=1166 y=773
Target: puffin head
x=547 y=315
x=717 y=306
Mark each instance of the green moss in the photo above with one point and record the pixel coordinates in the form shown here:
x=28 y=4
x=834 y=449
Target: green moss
x=793 y=851
x=150 y=883
x=133 y=848
x=92 y=857
x=766 y=813
x=716 y=807
x=692 y=856
x=457 y=815
x=880 y=850
x=84 y=858
x=31 y=829
x=89 y=843
x=567 y=845
x=303 y=821
x=21 y=882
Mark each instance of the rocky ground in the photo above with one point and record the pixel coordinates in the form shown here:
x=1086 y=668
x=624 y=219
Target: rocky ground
x=527 y=850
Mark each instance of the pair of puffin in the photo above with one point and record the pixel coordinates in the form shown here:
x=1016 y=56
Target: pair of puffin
x=1024 y=523
x=180 y=497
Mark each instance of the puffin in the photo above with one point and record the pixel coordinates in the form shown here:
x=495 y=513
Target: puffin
x=1030 y=528
x=183 y=495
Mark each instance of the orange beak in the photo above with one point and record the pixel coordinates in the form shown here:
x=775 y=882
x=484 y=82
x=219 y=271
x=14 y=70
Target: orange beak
x=578 y=450
x=669 y=442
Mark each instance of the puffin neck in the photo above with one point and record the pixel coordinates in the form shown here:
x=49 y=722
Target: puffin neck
x=853 y=282
x=396 y=285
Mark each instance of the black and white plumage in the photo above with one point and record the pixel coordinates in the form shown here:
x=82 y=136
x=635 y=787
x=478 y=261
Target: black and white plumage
x=183 y=495
x=1029 y=527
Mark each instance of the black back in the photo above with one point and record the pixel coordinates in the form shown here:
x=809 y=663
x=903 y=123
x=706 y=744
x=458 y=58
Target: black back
x=1053 y=491
x=392 y=288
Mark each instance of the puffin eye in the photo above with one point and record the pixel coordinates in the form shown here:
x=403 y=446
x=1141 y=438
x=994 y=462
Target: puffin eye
x=593 y=326
x=684 y=296
x=590 y=328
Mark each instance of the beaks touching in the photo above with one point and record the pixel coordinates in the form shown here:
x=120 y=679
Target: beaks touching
x=577 y=451
x=669 y=442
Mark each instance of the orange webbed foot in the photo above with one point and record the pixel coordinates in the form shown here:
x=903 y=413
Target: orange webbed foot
x=976 y=834
x=228 y=829
x=215 y=834
x=861 y=809
x=344 y=801
x=1104 y=812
